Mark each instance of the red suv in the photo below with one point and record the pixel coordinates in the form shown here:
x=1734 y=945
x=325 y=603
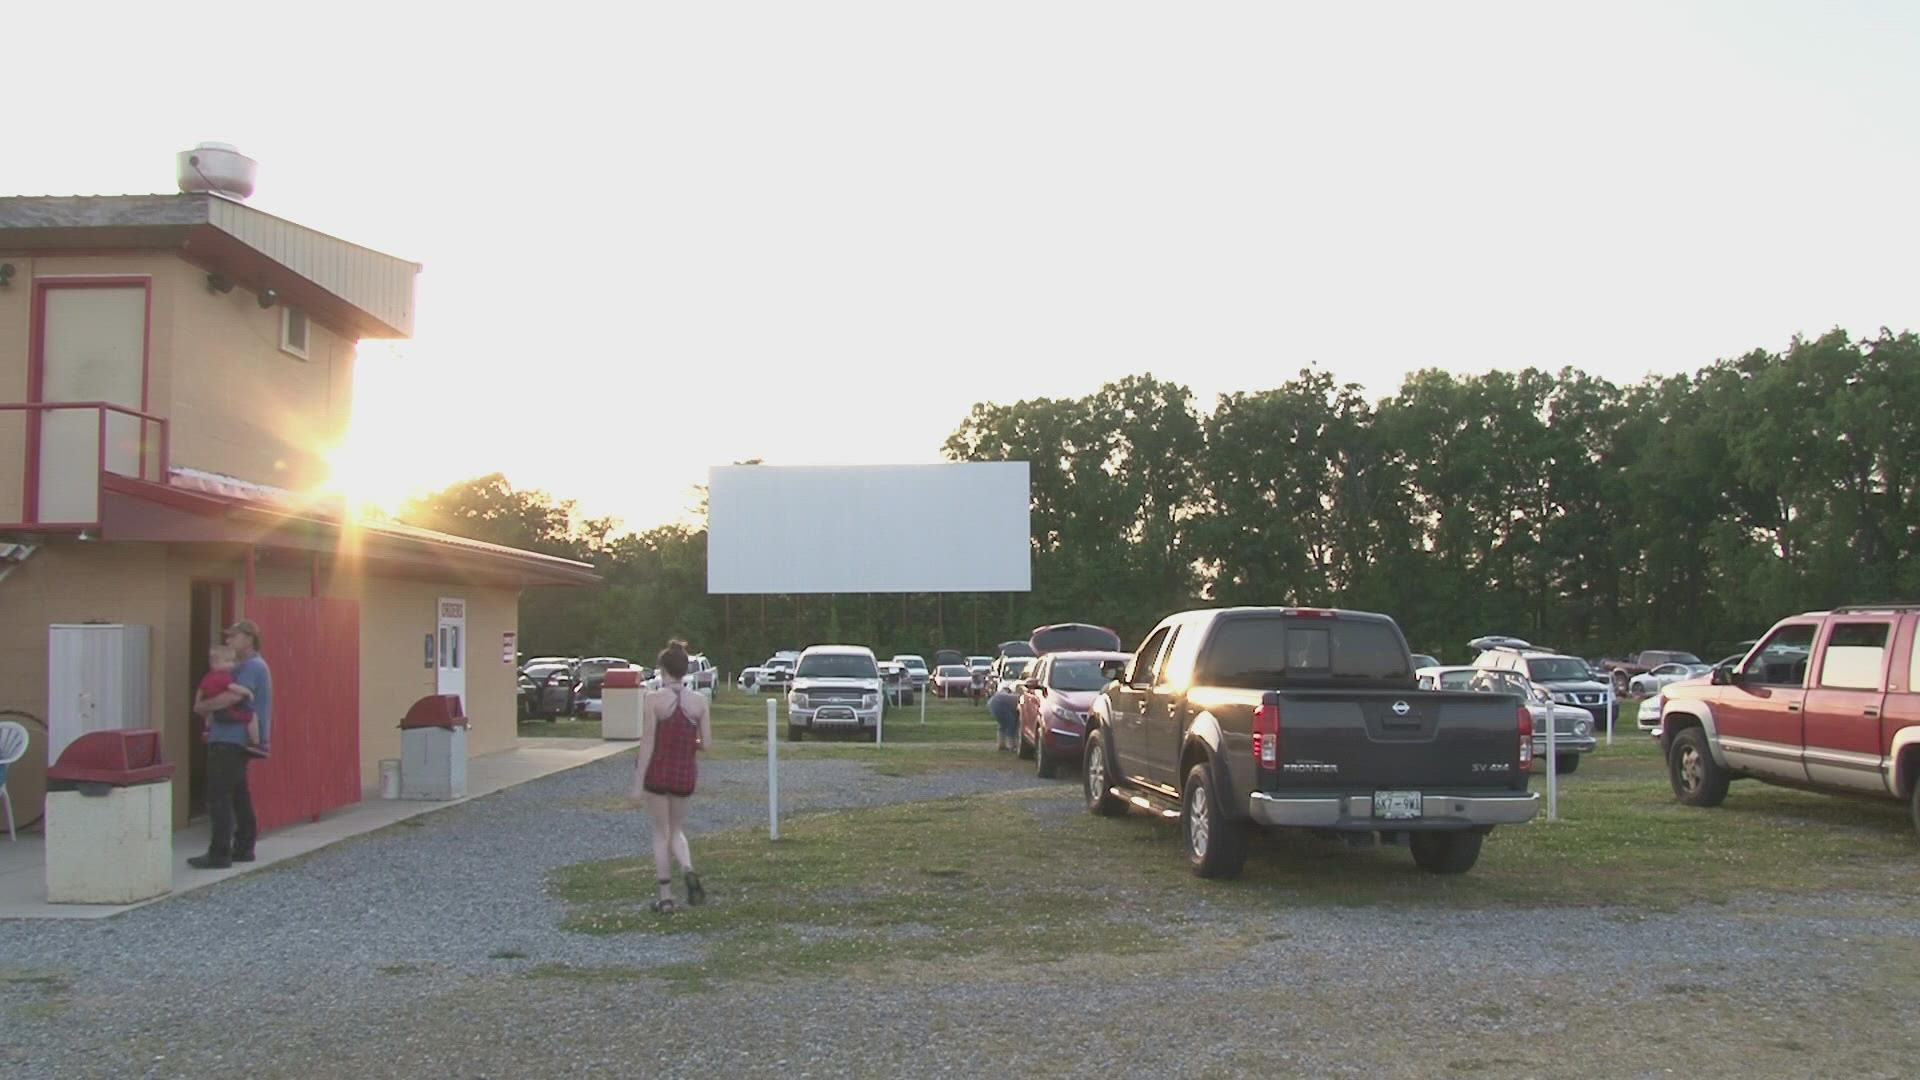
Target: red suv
x=1829 y=700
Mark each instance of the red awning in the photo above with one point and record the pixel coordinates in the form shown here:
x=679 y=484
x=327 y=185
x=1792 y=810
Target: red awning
x=143 y=511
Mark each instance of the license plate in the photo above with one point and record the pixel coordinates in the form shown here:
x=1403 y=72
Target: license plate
x=1396 y=805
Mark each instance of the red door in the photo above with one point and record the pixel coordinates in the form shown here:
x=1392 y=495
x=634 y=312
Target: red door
x=312 y=646
x=1844 y=700
x=1758 y=721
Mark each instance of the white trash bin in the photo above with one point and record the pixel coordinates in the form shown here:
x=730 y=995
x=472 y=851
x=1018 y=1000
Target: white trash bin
x=109 y=832
x=390 y=778
x=620 y=698
x=433 y=749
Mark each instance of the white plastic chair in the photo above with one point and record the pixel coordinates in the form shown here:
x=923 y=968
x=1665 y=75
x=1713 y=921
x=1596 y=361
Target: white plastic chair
x=13 y=747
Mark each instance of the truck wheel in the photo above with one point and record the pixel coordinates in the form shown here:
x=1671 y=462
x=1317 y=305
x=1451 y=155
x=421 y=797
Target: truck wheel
x=1099 y=785
x=1916 y=807
x=1216 y=842
x=1565 y=763
x=796 y=733
x=1697 y=779
x=1045 y=764
x=1445 y=852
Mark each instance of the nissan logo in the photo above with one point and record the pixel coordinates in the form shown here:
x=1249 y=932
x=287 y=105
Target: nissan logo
x=1401 y=708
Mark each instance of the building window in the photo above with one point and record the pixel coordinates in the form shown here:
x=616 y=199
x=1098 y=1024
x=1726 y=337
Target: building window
x=293 y=331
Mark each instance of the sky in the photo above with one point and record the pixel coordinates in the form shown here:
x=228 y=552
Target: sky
x=668 y=235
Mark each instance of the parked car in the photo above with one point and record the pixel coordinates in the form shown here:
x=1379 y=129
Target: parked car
x=776 y=675
x=899 y=683
x=1665 y=675
x=943 y=657
x=1008 y=670
x=546 y=690
x=748 y=679
x=1572 y=726
x=1014 y=648
x=1567 y=678
x=1076 y=637
x=916 y=666
x=587 y=677
x=1055 y=698
x=1444 y=677
x=1623 y=671
x=835 y=688
x=952 y=680
x=1827 y=700
x=1304 y=718
x=1423 y=660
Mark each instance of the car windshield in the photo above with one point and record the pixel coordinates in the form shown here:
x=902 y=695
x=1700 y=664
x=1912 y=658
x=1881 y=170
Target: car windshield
x=913 y=662
x=1076 y=675
x=543 y=671
x=837 y=666
x=954 y=671
x=596 y=669
x=774 y=665
x=1013 y=669
x=1559 y=669
x=1421 y=660
x=1676 y=658
x=1456 y=680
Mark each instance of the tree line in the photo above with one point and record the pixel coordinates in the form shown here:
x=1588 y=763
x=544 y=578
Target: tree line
x=1683 y=511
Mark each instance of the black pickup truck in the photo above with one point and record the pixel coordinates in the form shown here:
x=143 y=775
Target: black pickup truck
x=1305 y=718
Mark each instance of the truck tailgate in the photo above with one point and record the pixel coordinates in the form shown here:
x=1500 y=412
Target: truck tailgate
x=1420 y=739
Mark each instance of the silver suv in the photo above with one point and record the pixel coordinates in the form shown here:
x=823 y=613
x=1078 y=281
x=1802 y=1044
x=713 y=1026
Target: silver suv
x=1567 y=678
x=835 y=688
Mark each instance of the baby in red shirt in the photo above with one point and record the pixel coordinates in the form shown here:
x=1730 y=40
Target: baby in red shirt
x=218 y=680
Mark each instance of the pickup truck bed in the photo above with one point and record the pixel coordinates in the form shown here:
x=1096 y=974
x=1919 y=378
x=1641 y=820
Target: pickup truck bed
x=1305 y=718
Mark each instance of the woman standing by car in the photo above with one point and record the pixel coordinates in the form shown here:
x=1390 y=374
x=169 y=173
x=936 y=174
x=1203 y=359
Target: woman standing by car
x=674 y=726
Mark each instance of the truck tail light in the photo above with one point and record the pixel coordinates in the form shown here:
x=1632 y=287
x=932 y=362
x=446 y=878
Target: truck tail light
x=1526 y=738
x=1266 y=736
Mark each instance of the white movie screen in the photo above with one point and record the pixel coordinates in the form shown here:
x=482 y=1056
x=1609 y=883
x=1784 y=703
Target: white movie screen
x=869 y=528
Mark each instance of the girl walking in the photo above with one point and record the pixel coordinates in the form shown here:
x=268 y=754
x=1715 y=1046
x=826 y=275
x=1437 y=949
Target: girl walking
x=674 y=726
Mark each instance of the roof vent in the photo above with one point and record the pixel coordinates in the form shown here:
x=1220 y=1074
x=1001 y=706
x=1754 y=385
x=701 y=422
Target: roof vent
x=215 y=167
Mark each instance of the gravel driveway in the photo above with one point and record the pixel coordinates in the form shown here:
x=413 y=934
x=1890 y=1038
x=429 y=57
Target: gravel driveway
x=396 y=954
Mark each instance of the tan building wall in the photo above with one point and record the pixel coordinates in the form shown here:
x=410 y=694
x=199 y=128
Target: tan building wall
x=237 y=402
x=152 y=585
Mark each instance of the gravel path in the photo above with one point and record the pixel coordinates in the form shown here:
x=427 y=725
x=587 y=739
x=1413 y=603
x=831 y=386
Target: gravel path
x=396 y=955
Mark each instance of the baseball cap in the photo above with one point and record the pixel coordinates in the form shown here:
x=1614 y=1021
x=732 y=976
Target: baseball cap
x=247 y=627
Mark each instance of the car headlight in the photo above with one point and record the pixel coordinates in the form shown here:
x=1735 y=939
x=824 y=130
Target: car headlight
x=797 y=699
x=1583 y=728
x=1066 y=715
x=869 y=699
x=1561 y=696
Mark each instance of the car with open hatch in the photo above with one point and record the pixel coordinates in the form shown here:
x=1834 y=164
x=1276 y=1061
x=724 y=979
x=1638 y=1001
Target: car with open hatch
x=1308 y=718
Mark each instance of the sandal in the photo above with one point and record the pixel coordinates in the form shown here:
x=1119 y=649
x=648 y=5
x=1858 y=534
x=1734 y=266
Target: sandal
x=696 y=892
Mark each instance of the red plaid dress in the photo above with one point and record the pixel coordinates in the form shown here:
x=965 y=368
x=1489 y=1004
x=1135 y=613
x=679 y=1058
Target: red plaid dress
x=676 y=738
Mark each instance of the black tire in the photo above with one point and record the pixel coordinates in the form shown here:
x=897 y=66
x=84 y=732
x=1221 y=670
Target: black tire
x=796 y=733
x=1696 y=778
x=1566 y=763
x=1098 y=785
x=1915 y=800
x=1045 y=764
x=1445 y=852
x=1216 y=841
x=1024 y=747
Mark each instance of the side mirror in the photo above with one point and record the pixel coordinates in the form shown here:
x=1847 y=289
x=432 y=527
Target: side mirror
x=1723 y=676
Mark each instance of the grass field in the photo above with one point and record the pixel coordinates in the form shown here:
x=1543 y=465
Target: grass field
x=1007 y=872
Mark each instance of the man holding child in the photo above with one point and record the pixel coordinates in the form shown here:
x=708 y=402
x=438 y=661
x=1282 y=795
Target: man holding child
x=238 y=705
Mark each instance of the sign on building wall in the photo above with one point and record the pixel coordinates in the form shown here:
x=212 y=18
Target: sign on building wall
x=506 y=647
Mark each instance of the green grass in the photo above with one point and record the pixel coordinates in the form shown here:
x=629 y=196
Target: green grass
x=563 y=728
x=1015 y=876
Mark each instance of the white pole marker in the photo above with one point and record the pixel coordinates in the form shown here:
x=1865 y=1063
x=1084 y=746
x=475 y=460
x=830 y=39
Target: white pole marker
x=773 y=772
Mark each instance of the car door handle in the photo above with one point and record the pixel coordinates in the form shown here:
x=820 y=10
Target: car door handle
x=1793 y=706
x=1872 y=711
